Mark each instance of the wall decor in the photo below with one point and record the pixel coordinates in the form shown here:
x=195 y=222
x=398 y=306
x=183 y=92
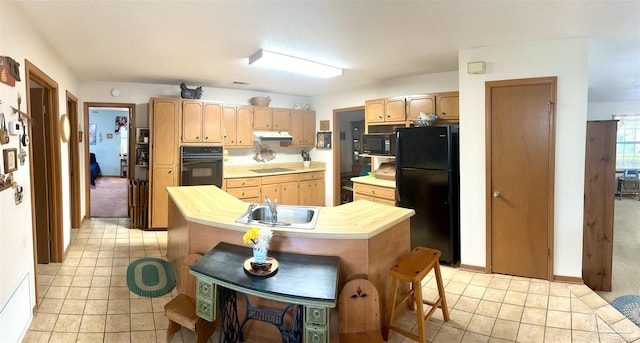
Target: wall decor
x=92 y=133
x=9 y=70
x=109 y=135
x=323 y=140
x=121 y=123
x=10 y=158
x=324 y=125
x=65 y=128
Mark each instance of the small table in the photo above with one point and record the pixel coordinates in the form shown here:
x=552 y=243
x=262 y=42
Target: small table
x=307 y=282
x=628 y=185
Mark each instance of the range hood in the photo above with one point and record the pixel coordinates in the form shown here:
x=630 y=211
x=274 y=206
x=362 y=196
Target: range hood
x=272 y=136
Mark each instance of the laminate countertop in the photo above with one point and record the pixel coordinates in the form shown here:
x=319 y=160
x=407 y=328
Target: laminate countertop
x=269 y=169
x=370 y=180
x=209 y=205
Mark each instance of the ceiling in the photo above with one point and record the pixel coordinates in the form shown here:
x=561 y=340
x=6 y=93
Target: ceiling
x=208 y=42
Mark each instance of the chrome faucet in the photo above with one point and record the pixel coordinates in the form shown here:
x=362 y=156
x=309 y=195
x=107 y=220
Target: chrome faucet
x=273 y=207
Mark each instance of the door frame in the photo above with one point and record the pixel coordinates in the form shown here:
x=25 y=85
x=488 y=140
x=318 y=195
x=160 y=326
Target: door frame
x=489 y=85
x=74 y=161
x=336 y=150
x=131 y=149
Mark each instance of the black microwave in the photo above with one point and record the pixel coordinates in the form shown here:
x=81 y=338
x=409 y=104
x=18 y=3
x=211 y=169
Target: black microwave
x=379 y=144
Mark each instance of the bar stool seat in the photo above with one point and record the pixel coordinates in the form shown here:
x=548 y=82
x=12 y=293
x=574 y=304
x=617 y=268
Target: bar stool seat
x=413 y=268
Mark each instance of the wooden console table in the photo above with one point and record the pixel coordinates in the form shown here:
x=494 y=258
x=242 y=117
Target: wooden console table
x=306 y=282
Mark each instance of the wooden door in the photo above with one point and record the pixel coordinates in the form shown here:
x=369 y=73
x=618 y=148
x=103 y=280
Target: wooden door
x=394 y=110
x=244 y=126
x=212 y=123
x=38 y=142
x=309 y=128
x=447 y=106
x=262 y=118
x=281 y=118
x=230 y=126
x=520 y=143
x=191 y=121
x=599 y=198
x=374 y=111
x=415 y=105
x=290 y=194
x=164 y=159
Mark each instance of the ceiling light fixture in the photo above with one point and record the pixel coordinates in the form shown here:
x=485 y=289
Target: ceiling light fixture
x=293 y=64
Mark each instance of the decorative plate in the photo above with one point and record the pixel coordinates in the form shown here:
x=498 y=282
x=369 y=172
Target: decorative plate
x=257 y=269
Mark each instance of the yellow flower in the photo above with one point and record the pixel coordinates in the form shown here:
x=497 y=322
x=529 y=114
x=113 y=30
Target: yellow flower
x=251 y=236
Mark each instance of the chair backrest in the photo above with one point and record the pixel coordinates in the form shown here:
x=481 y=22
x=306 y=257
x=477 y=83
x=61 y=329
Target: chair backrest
x=359 y=307
x=188 y=281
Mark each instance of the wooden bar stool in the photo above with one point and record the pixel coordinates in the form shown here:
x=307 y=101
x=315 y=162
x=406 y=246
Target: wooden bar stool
x=413 y=268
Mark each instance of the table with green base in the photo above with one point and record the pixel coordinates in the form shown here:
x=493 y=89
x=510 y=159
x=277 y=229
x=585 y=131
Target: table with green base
x=307 y=283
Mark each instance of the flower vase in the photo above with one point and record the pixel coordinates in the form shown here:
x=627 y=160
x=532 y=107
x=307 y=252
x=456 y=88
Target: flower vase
x=259 y=255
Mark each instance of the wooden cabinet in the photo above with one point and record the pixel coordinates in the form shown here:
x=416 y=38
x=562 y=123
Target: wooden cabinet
x=245 y=189
x=599 y=199
x=276 y=119
x=385 y=110
x=281 y=187
x=383 y=195
x=281 y=119
x=163 y=123
x=312 y=189
x=201 y=122
x=420 y=103
x=447 y=106
x=303 y=128
x=238 y=126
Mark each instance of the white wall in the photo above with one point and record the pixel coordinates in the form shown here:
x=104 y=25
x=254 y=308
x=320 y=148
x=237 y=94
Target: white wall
x=19 y=41
x=568 y=60
x=604 y=110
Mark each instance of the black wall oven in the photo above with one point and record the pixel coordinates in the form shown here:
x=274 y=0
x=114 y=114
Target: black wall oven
x=201 y=165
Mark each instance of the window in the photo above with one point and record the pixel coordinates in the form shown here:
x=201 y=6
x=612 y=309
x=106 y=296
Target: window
x=628 y=141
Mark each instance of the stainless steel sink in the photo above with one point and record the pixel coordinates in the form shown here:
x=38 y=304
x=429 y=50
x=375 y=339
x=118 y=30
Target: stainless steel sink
x=294 y=217
x=271 y=170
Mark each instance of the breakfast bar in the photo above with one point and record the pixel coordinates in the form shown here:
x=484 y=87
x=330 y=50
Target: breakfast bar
x=368 y=238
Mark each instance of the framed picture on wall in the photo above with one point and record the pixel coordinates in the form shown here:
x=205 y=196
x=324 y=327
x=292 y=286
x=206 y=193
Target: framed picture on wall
x=10 y=158
x=121 y=123
x=92 y=134
x=323 y=140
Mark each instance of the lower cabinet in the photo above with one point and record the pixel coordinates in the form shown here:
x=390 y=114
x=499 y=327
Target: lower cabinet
x=379 y=194
x=312 y=189
x=245 y=189
x=305 y=189
x=281 y=187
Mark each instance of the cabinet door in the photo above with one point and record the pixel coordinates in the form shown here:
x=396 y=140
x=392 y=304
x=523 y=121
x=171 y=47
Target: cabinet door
x=191 y=121
x=309 y=128
x=163 y=130
x=212 y=123
x=262 y=118
x=374 y=111
x=244 y=127
x=394 y=110
x=163 y=177
x=272 y=191
x=415 y=105
x=312 y=193
x=289 y=194
x=230 y=126
x=281 y=118
x=447 y=106
x=296 y=130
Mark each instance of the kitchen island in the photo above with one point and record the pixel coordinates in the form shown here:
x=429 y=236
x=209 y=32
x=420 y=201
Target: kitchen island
x=367 y=237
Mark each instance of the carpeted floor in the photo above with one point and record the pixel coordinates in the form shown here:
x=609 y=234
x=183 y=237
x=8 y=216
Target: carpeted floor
x=109 y=198
x=626 y=241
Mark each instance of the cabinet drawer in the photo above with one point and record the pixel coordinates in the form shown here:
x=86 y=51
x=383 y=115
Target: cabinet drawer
x=316 y=315
x=243 y=193
x=205 y=290
x=206 y=309
x=269 y=180
x=312 y=176
x=380 y=192
x=236 y=183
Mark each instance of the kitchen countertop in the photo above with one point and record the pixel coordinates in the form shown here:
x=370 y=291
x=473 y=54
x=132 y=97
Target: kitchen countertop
x=374 y=181
x=240 y=171
x=209 y=205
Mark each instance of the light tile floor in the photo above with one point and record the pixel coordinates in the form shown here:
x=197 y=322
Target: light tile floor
x=86 y=299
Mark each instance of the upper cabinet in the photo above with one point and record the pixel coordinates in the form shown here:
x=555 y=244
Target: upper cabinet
x=201 y=122
x=281 y=119
x=388 y=110
x=447 y=106
x=303 y=128
x=265 y=118
x=238 y=126
x=420 y=103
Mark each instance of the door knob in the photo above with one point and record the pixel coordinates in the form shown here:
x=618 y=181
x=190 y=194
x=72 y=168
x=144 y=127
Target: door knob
x=496 y=194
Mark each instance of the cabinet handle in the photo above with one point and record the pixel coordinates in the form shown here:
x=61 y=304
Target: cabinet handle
x=443 y=113
x=197 y=137
x=206 y=137
x=379 y=117
x=170 y=171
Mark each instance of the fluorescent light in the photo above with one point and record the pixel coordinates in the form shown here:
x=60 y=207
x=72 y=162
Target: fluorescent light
x=293 y=64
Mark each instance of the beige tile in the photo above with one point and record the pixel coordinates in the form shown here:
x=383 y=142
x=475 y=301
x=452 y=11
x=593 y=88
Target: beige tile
x=119 y=293
x=505 y=329
x=593 y=300
x=556 y=335
x=90 y=254
x=45 y=280
x=36 y=337
x=559 y=289
x=481 y=324
x=531 y=315
x=49 y=305
x=142 y=321
x=68 y=323
x=57 y=292
x=579 y=290
x=481 y=279
x=78 y=293
x=515 y=298
x=603 y=327
x=121 y=261
x=102 y=271
x=611 y=338
x=117 y=323
x=81 y=281
x=144 y=336
x=500 y=282
x=627 y=330
x=583 y=322
x=140 y=305
x=455 y=287
x=101 y=281
x=559 y=319
x=458 y=319
x=585 y=336
x=71 y=306
x=117 y=337
x=537 y=300
x=474 y=291
x=609 y=314
x=493 y=294
x=50 y=269
x=118 y=281
x=578 y=306
x=86 y=263
x=93 y=323
x=472 y=337
x=62 y=280
x=559 y=303
x=119 y=271
x=95 y=306
x=528 y=333
x=461 y=276
x=519 y=285
x=160 y=320
x=104 y=262
x=67 y=270
x=539 y=287
x=159 y=302
x=448 y=334
x=118 y=306
x=510 y=312
x=488 y=308
x=467 y=304
x=105 y=254
x=90 y=337
x=63 y=337
x=44 y=322
x=98 y=293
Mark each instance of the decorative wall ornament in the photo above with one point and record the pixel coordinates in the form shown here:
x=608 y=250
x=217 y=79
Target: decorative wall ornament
x=187 y=93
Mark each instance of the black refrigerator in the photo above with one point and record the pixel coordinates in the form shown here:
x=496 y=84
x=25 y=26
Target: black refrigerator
x=427 y=181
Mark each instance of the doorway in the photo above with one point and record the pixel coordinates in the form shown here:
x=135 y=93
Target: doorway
x=345 y=161
x=74 y=160
x=520 y=176
x=109 y=144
